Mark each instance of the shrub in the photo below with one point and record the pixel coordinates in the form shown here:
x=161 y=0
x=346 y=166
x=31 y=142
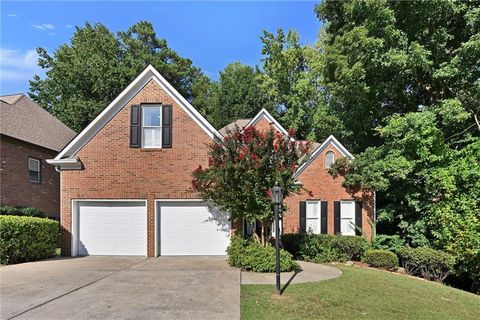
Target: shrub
x=250 y=255
x=426 y=262
x=27 y=238
x=324 y=247
x=381 y=259
x=21 y=211
x=387 y=242
x=353 y=247
x=293 y=242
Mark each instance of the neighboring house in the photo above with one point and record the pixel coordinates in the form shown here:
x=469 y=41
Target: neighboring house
x=126 y=180
x=28 y=136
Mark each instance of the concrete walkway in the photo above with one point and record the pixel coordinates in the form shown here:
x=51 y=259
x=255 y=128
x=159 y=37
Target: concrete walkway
x=310 y=272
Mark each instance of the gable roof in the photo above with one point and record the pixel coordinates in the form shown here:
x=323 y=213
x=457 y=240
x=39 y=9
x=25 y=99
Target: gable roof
x=231 y=126
x=24 y=120
x=264 y=114
x=330 y=140
x=150 y=73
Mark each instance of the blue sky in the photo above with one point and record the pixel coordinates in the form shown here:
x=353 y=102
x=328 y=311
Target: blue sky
x=212 y=34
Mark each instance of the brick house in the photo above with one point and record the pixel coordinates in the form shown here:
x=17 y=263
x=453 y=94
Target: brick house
x=126 y=180
x=28 y=136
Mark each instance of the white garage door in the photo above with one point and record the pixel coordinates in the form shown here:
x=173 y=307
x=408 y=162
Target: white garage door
x=192 y=228
x=112 y=228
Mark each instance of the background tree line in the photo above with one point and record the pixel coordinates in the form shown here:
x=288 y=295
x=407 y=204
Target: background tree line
x=398 y=82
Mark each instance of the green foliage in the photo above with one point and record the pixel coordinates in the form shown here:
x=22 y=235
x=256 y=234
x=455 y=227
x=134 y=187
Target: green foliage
x=352 y=246
x=381 y=259
x=324 y=247
x=27 y=238
x=381 y=58
x=21 y=211
x=250 y=255
x=387 y=242
x=293 y=89
x=426 y=262
x=85 y=75
x=239 y=94
x=242 y=170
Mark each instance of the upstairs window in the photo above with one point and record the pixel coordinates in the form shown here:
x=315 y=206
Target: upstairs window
x=34 y=170
x=151 y=126
x=329 y=159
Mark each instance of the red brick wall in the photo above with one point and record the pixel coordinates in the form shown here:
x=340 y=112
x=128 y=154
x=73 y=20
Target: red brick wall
x=16 y=190
x=113 y=170
x=320 y=185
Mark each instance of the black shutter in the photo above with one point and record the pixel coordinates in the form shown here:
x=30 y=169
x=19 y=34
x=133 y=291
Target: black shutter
x=358 y=218
x=135 y=127
x=336 y=217
x=323 y=217
x=167 y=127
x=303 y=216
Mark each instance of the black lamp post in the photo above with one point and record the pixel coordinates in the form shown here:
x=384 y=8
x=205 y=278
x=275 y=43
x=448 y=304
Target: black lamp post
x=277 y=199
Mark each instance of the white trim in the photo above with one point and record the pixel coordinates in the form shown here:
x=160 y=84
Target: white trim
x=318 y=218
x=330 y=140
x=265 y=114
x=123 y=98
x=159 y=106
x=74 y=224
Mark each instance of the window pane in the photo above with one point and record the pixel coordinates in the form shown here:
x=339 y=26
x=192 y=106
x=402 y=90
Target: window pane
x=329 y=159
x=34 y=176
x=151 y=137
x=151 y=116
x=33 y=164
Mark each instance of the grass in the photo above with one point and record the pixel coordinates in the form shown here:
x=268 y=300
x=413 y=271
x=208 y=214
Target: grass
x=360 y=294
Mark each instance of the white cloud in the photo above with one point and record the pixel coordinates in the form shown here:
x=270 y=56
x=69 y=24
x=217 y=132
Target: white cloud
x=69 y=26
x=44 y=26
x=13 y=15
x=18 y=65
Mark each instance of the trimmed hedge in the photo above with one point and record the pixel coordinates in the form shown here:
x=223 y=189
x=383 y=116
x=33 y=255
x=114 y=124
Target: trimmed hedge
x=381 y=259
x=426 y=262
x=21 y=211
x=324 y=247
x=250 y=255
x=27 y=238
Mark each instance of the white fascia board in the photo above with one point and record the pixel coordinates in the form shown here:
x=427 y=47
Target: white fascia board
x=265 y=114
x=122 y=99
x=330 y=140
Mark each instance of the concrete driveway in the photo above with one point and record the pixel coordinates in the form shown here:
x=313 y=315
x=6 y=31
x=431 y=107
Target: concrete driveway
x=121 y=288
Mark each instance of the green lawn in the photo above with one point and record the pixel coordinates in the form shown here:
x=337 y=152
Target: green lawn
x=360 y=294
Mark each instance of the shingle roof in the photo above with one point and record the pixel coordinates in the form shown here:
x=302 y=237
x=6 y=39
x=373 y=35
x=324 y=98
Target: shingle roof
x=231 y=126
x=23 y=119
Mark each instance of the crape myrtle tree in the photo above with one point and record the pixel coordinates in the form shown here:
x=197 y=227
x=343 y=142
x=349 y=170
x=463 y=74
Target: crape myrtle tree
x=243 y=167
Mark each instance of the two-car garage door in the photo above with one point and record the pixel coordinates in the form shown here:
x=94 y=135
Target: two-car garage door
x=120 y=228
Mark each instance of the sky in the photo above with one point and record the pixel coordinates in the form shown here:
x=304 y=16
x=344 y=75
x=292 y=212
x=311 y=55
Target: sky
x=211 y=34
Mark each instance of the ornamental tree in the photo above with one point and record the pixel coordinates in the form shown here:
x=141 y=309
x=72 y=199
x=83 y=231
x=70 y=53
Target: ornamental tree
x=243 y=167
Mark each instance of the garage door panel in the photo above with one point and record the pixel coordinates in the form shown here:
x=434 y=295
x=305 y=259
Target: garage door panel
x=192 y=229
x=112 y=228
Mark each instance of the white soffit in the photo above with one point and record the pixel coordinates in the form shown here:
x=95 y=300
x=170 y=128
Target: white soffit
x=265 y=114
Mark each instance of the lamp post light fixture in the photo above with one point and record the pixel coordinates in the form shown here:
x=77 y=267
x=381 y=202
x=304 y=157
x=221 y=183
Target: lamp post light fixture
x=277 y=199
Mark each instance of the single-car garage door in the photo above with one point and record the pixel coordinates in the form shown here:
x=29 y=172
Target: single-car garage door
x=112 y=228
x=192 y=228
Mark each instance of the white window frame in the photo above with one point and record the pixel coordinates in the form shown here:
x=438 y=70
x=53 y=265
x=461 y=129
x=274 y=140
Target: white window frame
x=325 y=159
x=39 y=164
x=159 y=106
x=319 y=203
x=352 y=221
